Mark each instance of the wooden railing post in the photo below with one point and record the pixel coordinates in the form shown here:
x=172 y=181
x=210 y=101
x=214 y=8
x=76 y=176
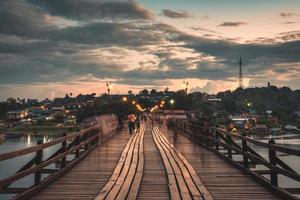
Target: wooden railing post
x=38 y=160
x=216 y=134
x=272 y=157
x=77 y=143
x=95 y=132
x=229 y=149
x=245 y=148
x=64 y=149
x=207 y=133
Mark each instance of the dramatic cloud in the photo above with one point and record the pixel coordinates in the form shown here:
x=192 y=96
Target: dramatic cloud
x=288 y=14
x=289 y=36
x=232 y=24
x=73 y=44
x=175 y=14
x=87 y=10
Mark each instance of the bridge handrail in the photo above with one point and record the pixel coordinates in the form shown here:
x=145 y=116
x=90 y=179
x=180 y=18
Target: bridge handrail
x=77 y=144
x=275 y=147
x=33 y=149
x=214 y=138
x=43 y=164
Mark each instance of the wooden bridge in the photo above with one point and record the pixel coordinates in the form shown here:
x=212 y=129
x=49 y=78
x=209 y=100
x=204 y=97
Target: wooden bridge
x=185 y=161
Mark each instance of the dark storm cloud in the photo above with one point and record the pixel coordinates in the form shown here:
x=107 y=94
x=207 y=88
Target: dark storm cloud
x=175 y=13
x=32 y=49
x=87 y=9
x=232 y=24
x=106 y=33
x=20 y=19
x=257 y=57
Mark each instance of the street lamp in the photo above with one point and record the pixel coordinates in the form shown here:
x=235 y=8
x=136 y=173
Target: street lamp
x=109 y=86
x=185 y=85
x=124 y=99
x=172 y=104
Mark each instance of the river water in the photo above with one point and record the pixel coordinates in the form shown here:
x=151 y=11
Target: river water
x=9 y=167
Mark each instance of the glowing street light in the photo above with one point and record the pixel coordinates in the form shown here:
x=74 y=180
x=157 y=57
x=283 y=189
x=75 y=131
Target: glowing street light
x=133 y=102
x=172 y=103
x=124 y=99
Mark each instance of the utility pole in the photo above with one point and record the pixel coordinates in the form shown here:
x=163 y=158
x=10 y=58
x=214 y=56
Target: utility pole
x=241 y=74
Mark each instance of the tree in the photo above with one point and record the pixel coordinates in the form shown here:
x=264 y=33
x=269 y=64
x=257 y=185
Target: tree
x=153 y=93
x=144 y=92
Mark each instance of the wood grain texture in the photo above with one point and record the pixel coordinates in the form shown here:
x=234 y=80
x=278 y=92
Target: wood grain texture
x=188 y=184
x=122 y=179
x=154 y=183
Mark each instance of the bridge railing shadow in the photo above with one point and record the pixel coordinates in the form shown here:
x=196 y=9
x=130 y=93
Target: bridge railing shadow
x=236 y=149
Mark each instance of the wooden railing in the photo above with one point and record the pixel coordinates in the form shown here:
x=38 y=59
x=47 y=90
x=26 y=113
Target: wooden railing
x=73 y=148
x=236 y=148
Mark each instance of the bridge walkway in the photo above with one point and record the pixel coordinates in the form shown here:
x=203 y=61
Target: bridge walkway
x=223 y=181
x=86 y=179
x=154 y=163
x=154 y=182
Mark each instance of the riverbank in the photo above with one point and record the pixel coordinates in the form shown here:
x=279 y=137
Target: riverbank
x=47 y=129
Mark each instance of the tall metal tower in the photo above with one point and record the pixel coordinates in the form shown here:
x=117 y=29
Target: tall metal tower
x=241 y=74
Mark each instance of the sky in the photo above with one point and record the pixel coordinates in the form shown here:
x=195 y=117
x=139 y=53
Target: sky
x=52 y=47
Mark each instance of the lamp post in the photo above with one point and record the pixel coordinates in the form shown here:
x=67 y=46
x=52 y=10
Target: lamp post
x=109 y=86
x=185 y=85
x=172 y=104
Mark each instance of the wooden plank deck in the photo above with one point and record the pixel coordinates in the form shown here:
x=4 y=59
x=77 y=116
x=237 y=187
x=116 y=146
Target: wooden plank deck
x=154 y=183
x=125 y=180
x=184 y=183
x=223 y=181
x=86 y=179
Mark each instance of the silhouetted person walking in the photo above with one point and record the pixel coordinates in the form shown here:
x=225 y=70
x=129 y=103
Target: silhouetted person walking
x=131 y=120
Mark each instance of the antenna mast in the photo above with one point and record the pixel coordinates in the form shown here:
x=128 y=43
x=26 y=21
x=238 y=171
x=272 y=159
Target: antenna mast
x=241 y=74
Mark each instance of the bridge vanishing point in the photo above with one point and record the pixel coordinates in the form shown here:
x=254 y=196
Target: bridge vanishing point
x=185 y=161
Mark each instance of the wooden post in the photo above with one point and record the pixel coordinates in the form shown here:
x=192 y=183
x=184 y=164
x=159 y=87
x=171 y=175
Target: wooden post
x=77 y=143
x=245 y=148
x=207 y=134
x=64 y=149
x=216 y=134
x=38 y=160
x=95 y=132
x=272 y=157
x=229 y=143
